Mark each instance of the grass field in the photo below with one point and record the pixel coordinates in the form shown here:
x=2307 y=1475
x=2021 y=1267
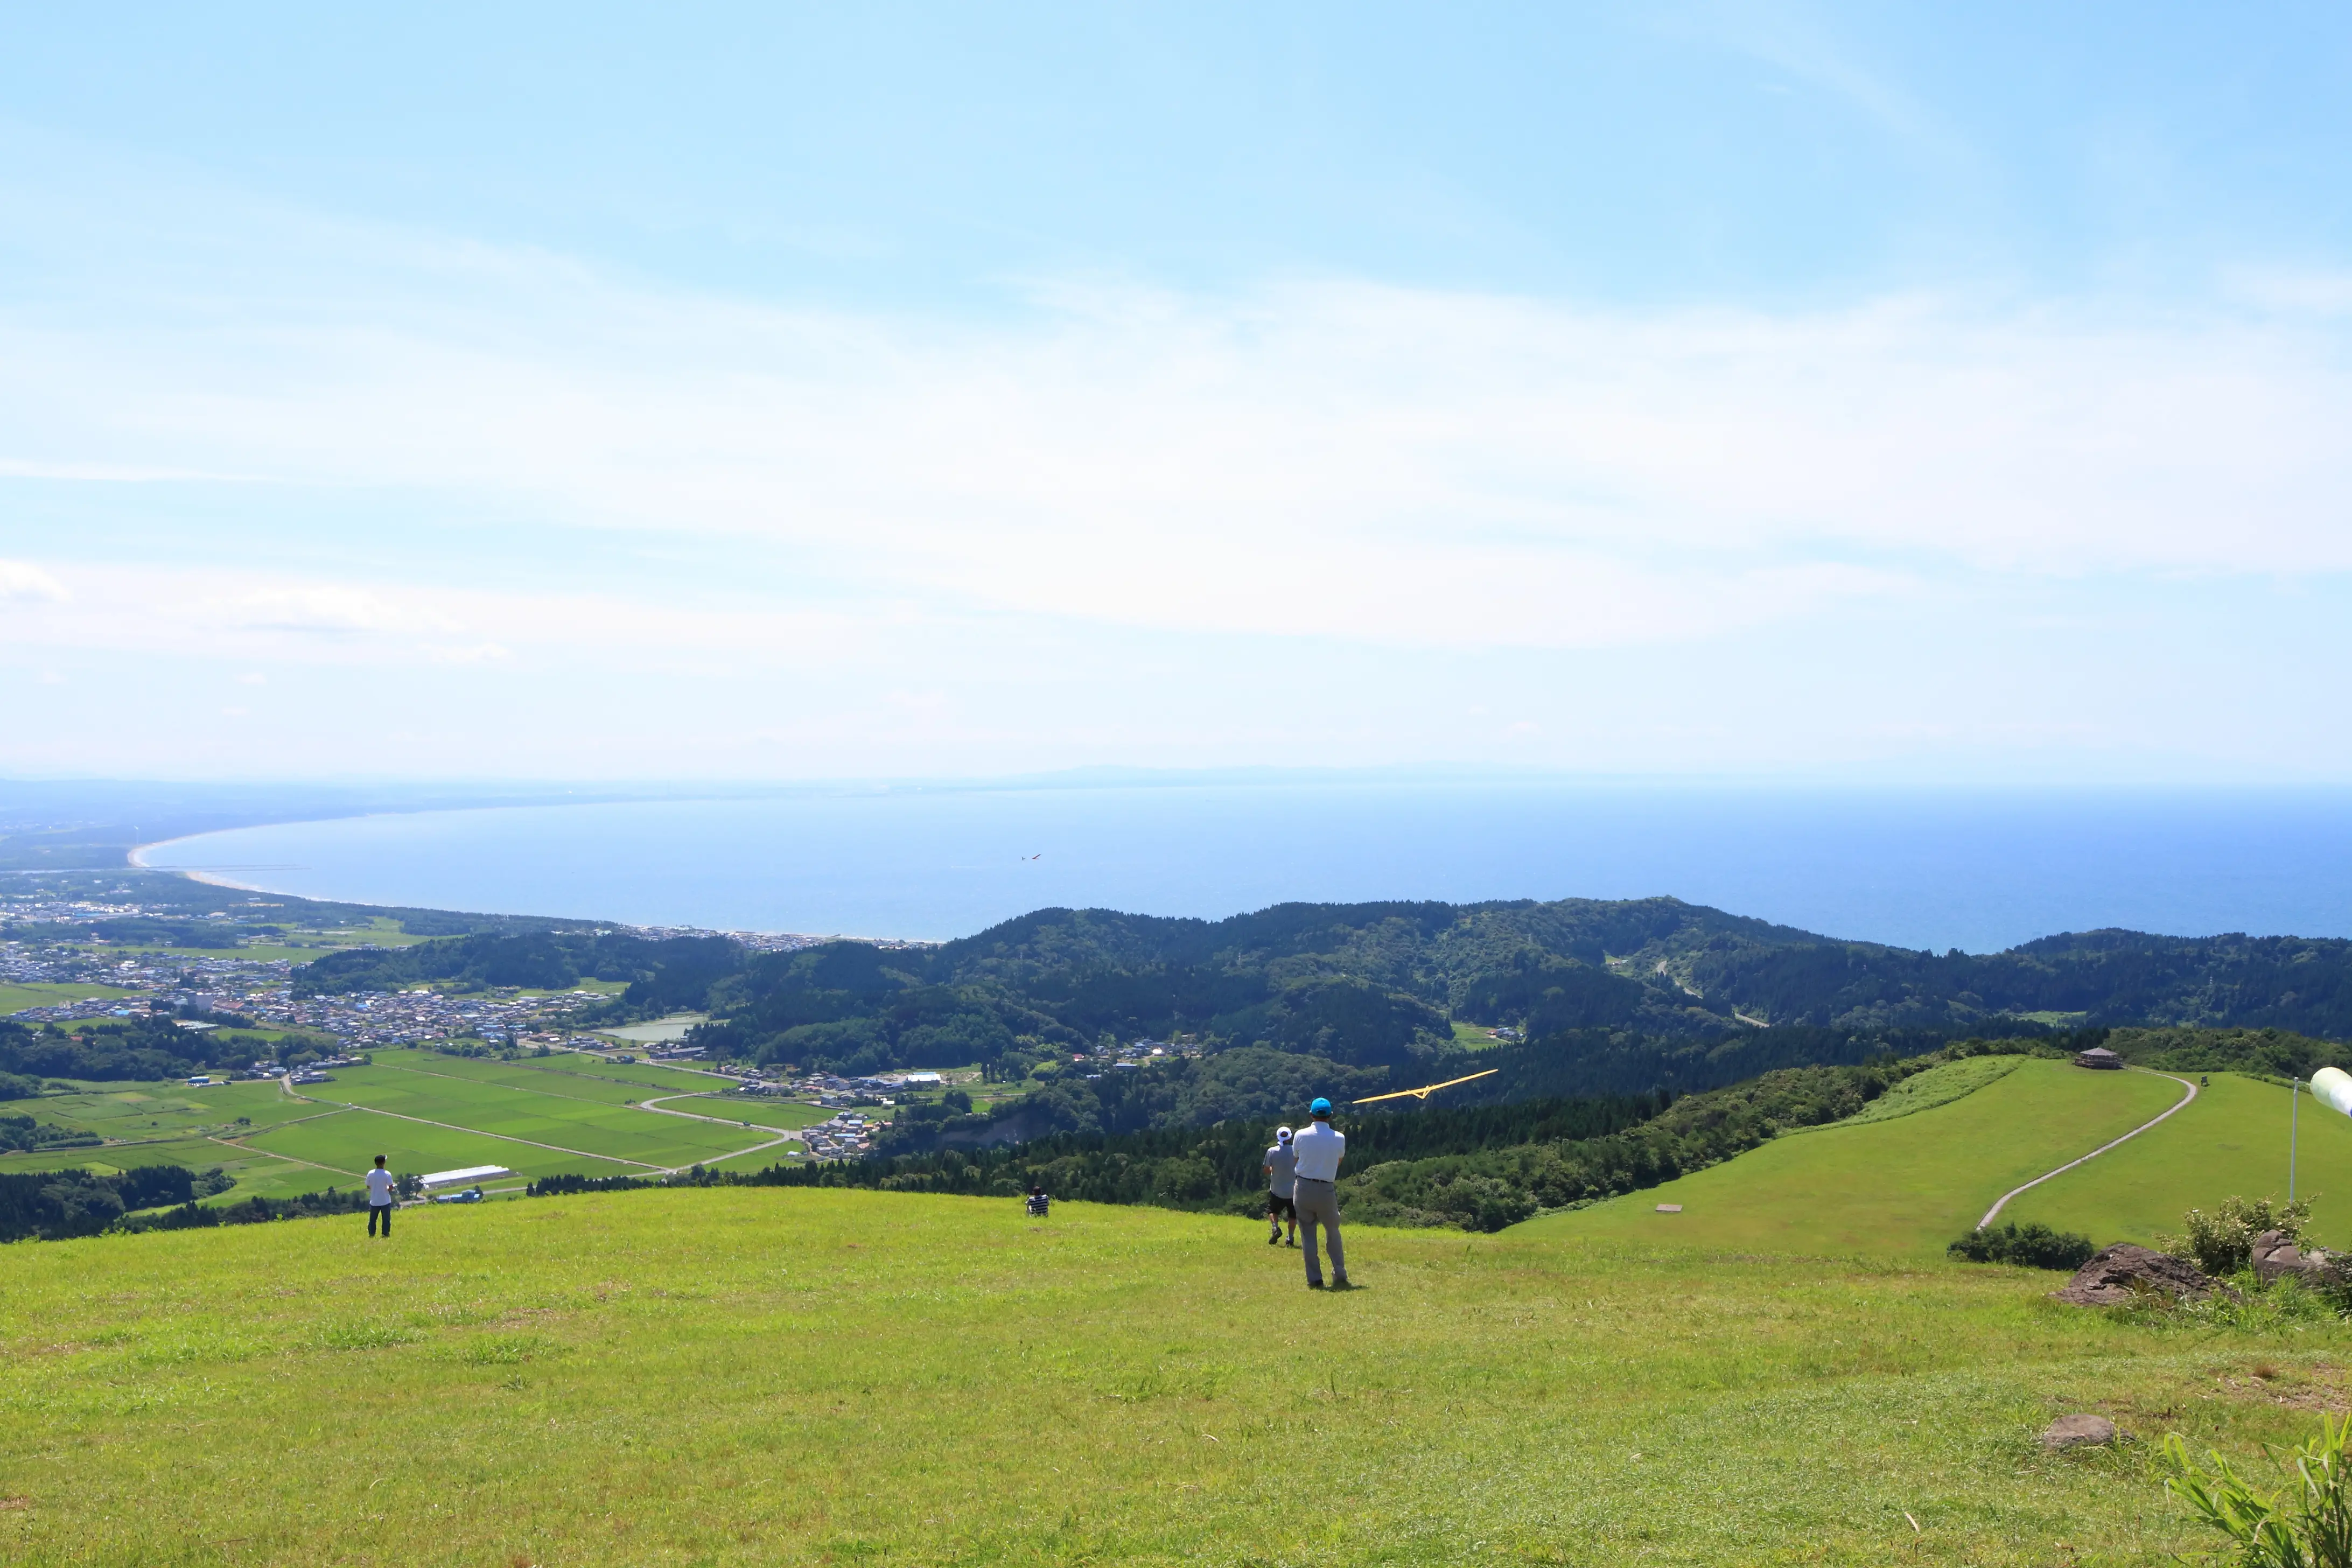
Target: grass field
x=149 y=1109
x=785 y=1115
x=15 y=996
x=761 y=1376
x=1908 y=1185
x=673 y=1027
x=1901 y=1187
x=300 y=946
x=341 y=1146
x=257 y=1173
x=1926 y=1091
x=170 y=1124
x=643 y=1075
x=250 y=953
x=2233 y=1140
x=425 y=1111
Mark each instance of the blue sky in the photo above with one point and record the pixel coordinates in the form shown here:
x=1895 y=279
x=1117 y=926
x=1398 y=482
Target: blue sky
x=1873 y=391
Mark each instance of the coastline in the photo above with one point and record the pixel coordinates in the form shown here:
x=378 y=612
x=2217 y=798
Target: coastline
x=135 y=861
x=1928 y=872
x=136 y=857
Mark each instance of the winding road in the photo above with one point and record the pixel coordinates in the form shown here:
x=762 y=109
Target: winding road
x=2002 y=1200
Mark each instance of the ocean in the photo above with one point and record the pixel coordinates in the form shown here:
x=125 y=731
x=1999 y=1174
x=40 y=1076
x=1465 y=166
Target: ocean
x=1977 y=870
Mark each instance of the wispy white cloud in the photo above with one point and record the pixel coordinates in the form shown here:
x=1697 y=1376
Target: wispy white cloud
x=2294 y=291
x=240 y=616
x=1323 y=459
x=21 y=581
x=335 y=609
x=468 y=653
x=1305 y=521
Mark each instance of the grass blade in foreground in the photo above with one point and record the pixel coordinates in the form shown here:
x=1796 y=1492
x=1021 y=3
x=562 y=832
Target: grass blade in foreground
x=2305 y=1524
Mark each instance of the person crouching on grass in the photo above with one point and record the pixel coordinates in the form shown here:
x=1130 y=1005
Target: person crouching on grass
x=380 y=1194
x=1319 y=1150
x=1281 y=1182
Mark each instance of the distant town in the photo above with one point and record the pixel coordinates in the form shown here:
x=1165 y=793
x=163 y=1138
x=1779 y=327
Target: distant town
x=204 y=990
x=259 y=992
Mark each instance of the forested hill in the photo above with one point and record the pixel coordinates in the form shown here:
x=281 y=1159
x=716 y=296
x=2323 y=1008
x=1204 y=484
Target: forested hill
x=1378 y=987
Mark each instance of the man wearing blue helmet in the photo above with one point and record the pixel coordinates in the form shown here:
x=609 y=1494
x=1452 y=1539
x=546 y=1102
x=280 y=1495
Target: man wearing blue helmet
x=1319 y=1149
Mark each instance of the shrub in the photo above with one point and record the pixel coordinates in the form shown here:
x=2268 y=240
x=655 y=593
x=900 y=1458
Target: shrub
x=2027 y=1245
x=567 y=1183
x=2307 y=1523
x=2223 y=1241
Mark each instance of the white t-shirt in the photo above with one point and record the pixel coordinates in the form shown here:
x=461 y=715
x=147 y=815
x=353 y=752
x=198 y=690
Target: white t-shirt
x=379 y=1187
x=1320 y=1147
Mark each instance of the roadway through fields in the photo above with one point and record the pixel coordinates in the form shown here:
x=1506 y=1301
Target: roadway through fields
x=286 y=1084
x=273 y=1155
x=652 y=1105
x=2003 y=1201
x=246 y=1149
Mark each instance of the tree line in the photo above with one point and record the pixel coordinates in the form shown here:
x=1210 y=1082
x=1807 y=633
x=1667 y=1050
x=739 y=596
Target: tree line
x=1618 y=996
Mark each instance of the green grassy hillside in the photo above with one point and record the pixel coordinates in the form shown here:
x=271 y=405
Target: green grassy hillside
x=1909 y=1183
x=2233 y=1140
x=756 y=1376
x=1902 y=1186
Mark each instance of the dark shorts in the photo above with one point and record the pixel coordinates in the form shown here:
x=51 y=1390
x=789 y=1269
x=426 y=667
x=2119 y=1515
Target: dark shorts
x=1280 y=1207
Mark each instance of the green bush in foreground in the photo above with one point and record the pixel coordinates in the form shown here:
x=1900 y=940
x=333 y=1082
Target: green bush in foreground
x=2027 y=1245
x=2223 y=1241
x=2305 y=1524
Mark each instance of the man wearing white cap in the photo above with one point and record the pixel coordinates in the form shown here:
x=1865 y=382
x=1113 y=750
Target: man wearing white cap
x=1321 y=1148
x=1281 y=1182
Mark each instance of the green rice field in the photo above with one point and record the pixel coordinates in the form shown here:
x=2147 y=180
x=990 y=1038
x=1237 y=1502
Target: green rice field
x=171 y=1124
x=425 y=1111
x=147 y=1111
x=536 y=1118
x=256 y=1173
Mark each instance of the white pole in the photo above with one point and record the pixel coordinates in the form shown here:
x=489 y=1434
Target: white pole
x=2294 y=1106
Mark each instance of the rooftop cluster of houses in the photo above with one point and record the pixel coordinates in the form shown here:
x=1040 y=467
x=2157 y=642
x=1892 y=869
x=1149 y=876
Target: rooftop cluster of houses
x=758 y=941
x=1135 y=1053
x=829 y=1090
x=842 y=1136
x=65 y=911
x=222 y=983
x=263 y=992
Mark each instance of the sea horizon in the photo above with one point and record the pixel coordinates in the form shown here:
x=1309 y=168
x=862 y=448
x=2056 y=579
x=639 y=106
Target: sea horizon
x=1918 y=867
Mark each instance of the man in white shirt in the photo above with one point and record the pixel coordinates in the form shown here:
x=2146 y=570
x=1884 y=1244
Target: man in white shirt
x=1281 y=1184
x=1319 y=1150
x=380 y=1196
